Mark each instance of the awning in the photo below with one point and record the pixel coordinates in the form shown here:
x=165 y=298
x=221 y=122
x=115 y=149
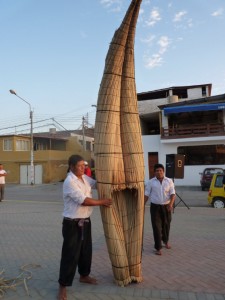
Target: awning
x=189 y=108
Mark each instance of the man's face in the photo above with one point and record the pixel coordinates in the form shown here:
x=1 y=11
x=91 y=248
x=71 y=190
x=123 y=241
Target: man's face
x=159 y=173
x=78 y=169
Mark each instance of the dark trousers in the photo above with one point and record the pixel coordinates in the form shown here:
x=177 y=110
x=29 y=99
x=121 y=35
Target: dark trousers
x=2 y=190
x=76 y=250
x=161 y=219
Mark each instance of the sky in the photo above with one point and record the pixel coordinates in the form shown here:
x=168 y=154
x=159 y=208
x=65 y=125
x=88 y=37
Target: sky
x=53 y=54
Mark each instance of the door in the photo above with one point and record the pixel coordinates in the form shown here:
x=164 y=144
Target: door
x=152 y=160
x=25 y=174
x=38 y=174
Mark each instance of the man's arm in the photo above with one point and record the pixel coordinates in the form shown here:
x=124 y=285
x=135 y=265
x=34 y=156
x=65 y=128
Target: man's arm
x=147 y=191
x=94 y=202
x=171 y=204
x=146 y=198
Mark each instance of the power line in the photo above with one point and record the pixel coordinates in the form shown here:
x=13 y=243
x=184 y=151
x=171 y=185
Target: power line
x=20 y=125
x=65 y=123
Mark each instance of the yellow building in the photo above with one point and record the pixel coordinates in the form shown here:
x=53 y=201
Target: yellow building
x=51 y=153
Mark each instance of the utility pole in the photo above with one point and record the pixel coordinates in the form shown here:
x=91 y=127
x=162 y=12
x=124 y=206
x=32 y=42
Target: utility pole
x=83 y=129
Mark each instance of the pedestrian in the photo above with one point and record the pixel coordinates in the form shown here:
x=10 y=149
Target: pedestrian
x=87 y=170
x=3 y=174
x=161 y=193
x=76 y=230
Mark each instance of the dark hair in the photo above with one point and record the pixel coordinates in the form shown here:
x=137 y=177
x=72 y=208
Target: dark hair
x=74 y=159
x=158 y=166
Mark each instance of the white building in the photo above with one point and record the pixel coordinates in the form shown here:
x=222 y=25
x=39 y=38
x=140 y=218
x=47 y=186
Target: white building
x=183 y=120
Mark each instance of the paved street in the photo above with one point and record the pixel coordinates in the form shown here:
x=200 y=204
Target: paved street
x=192 y=196
x=194 y=269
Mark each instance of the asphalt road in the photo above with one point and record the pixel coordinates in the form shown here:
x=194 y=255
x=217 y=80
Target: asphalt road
x=30 y=230
x=191 y=196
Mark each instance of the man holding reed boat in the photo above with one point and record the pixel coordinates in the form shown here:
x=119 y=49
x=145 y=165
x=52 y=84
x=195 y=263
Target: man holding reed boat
x=77 y=243
x=161 y=192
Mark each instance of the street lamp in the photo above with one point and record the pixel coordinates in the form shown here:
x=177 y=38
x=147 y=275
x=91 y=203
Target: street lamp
x=31 y=139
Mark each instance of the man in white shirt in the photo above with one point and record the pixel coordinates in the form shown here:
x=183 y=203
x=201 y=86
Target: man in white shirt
x=77 y=243
x=2 y=182
x=161 y=193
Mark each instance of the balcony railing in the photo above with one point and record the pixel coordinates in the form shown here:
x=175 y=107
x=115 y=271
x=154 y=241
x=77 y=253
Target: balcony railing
x=197 y=130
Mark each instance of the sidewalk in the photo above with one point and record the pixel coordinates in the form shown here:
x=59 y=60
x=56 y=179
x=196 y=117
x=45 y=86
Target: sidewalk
x=194 y=269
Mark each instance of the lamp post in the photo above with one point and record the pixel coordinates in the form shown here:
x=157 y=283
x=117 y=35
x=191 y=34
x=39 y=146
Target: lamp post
x=31 y=138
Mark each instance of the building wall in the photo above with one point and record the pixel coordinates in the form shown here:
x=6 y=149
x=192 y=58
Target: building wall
x=191 y=173
x=87 y=139
x=53 y=162
x=54 y=170
x=151 y=106
x=195 y=93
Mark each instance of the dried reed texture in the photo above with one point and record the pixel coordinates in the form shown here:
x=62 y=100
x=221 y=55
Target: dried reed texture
x=119 y=154
x=11 y=284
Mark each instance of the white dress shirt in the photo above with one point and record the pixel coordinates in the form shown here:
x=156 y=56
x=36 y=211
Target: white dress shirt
x=2 y=178
x=74 y=193
x=159 y=193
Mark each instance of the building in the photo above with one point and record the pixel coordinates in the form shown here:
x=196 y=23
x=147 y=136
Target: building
x=51 y=153
x=183 y=120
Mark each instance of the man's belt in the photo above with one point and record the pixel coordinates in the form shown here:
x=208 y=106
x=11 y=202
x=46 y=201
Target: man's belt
x=77 y=219
x=80 y=223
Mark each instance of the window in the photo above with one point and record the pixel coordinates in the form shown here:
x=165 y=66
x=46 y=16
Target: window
x=219 y=181
x=22 y=145
x=7 y=145
x=181 y=93
x=204 y=91
x=203 y=155
x=40 y=146
x=88 y=146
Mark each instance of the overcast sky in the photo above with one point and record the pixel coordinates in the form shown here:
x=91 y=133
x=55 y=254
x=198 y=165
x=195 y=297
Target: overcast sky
x=53 y=54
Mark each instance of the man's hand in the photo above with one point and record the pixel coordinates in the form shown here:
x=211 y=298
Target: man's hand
x=170 y=207
x=145 y=199
x=107 y=202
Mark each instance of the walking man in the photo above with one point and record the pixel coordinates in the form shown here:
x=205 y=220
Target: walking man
x=161 y=193
x=2 y=182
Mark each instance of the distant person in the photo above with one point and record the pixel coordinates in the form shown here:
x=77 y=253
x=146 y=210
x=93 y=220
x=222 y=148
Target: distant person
x=3 y=173
x=87 y=170
x=161 y=193
x=77 y=243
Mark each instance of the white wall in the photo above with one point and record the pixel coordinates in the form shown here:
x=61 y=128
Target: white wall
x=192 y=176
x=195 y=93
x=153 y=143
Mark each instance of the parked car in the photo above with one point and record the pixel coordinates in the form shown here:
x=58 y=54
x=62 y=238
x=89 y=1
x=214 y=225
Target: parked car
x=206 y=176
x=216 y=194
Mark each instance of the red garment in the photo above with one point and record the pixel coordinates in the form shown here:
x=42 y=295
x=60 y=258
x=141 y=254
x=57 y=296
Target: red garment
x=87 y=171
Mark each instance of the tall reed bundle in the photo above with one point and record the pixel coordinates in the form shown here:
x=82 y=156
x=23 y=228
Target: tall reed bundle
x=119 y=154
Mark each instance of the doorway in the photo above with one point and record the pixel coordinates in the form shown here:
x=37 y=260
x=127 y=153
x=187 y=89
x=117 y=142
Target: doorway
x=25 y=174
x=153 y=158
